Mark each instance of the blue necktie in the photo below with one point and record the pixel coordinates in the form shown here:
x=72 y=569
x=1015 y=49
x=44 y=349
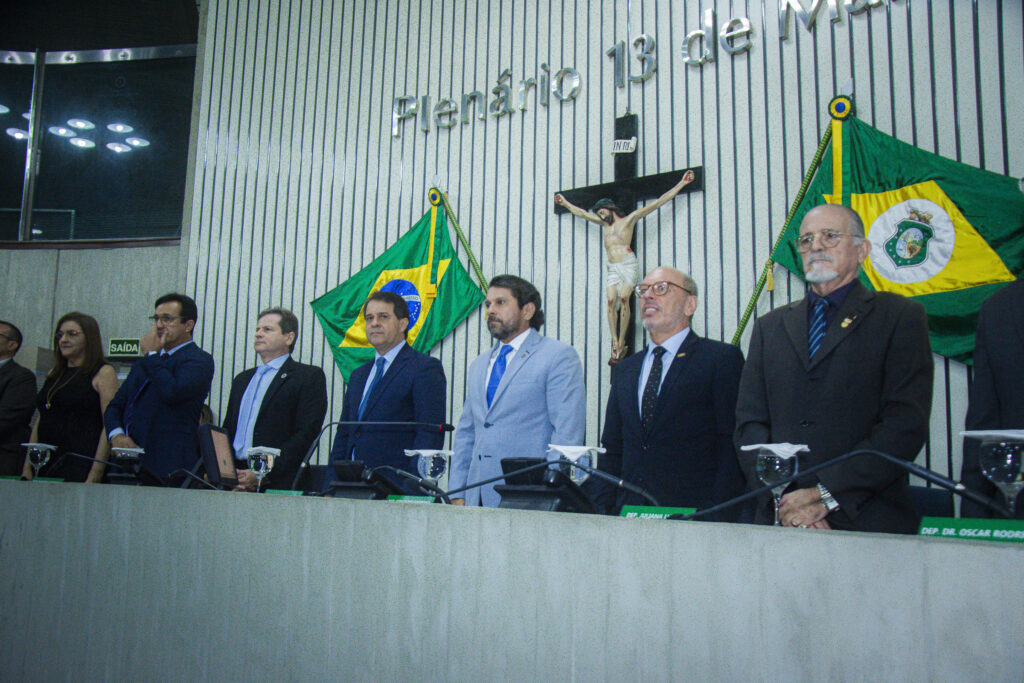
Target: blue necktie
x=497 y=372
x=247 y=413
x=816 y=330
x=379 y=365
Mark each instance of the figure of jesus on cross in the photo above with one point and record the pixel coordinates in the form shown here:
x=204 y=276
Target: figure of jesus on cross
x=622 y=267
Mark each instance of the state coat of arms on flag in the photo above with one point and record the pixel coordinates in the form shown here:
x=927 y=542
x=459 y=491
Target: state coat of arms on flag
x=943 y=232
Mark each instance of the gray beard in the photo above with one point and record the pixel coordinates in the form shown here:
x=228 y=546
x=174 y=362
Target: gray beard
x=817 y=276
x=820 y=274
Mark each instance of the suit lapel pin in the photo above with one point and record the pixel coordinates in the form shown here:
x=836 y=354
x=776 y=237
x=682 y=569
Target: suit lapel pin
x=848 y=320
x=680 y=355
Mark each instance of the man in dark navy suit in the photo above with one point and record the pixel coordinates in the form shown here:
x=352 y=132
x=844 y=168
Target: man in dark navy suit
x=278 y=404
x=399 y=385
x=157 y=408
x=671 y=410
x=844 y=368
x=997 y=390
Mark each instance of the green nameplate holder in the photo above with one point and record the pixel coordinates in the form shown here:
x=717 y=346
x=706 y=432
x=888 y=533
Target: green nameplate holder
x=411 y=499
x=283 y=492
x=650 y=512
x=1005 y=530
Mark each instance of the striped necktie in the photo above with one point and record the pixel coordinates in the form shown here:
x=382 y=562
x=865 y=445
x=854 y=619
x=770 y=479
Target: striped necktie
x=816 y=330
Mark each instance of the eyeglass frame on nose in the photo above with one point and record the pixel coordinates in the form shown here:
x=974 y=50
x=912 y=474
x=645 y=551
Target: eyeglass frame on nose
x=829 y=239
x=641 y=289
x=165 y=319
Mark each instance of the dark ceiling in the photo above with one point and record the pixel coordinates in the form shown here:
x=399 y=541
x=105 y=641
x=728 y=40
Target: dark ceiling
x=55 y=25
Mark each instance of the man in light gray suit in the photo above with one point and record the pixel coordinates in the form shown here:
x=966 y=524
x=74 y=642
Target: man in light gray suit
x=524 y=393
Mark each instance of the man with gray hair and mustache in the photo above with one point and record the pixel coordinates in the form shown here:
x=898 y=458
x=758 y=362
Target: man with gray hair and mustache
x=844 y=368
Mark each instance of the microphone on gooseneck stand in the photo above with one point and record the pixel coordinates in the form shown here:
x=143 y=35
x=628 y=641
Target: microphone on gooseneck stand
x=620 y=483
x=193 y=476
x=304 y=463
x=375 y=426
x=924 y=473
x=423 y=484
x=522 y=470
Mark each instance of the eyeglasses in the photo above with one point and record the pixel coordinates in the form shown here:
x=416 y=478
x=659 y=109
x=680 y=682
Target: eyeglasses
x=70 y=334
x=164 y=319
x=829 y=239
x=658 y=288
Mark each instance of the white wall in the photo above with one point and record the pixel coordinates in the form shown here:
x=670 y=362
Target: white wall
x=117 y=286
x=299 y=183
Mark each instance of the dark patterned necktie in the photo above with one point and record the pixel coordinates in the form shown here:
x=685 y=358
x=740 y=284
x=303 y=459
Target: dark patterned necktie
x=816 y=330
x=650 y=398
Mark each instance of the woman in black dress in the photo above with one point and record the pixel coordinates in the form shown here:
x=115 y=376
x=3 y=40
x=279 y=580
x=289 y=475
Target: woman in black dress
x=72 y=400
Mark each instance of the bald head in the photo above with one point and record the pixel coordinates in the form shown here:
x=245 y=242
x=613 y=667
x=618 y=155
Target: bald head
x=837 y=213
x=666 y=313
x=834 y=247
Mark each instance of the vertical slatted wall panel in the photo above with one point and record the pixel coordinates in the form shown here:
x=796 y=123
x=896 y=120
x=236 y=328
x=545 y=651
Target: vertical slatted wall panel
x=299 y=182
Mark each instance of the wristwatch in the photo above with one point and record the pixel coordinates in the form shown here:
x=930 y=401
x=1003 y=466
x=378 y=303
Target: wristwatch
x=826 y=498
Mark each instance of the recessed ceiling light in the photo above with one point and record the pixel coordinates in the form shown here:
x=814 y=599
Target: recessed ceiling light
x=137 y=142
x=62 y=131
x=82 y=142
x=27 y=116
x=81 y=124
x=118 y=147
x=4 y=109
x=18 y=133
x=119 y=127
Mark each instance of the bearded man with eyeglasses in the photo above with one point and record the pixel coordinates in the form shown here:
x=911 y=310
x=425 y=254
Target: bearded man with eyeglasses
x=671 y=409
x=157 y=408
x=842 y=369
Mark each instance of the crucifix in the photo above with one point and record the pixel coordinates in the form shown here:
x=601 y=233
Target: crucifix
x=613 y=207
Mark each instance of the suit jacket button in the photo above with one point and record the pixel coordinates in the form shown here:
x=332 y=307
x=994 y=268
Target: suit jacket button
x=805 y=423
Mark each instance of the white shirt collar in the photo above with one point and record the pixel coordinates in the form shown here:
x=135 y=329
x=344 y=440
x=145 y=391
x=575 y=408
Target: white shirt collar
x=389 y=357
x=672 y=344
x=275 y=363
x=517 y=341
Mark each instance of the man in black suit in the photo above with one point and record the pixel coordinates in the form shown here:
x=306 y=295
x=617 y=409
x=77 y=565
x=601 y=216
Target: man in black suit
x=17 y=401
x=158 y=406
x=842 y=369
x=399 y=385
x=997 y=390
x=671 y=410
x=279 y=404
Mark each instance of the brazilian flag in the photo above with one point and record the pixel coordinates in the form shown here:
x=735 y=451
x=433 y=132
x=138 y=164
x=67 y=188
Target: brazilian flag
x=944 y=233
x=423 y=269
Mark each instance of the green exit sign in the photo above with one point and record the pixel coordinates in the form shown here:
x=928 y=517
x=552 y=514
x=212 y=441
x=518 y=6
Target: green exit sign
x=124 y=347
